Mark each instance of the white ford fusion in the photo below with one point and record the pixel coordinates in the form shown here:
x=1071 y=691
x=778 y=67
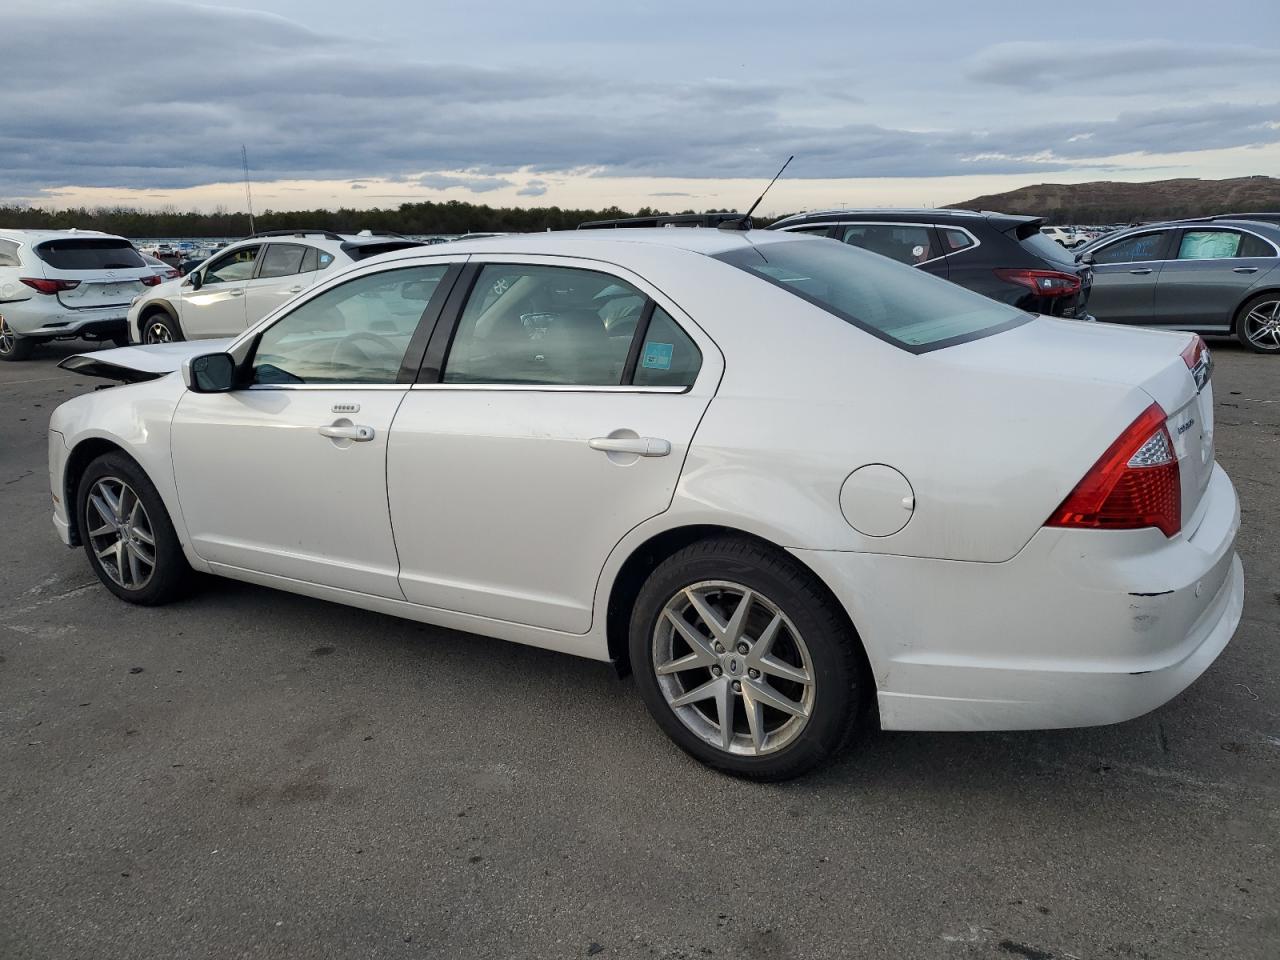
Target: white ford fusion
x=783 y=479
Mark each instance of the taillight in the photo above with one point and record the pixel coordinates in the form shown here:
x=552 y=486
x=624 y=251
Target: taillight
x=1198 y=360
x=1046 y=283
x=151 y=280
x=41 y=285
x=1134 y=484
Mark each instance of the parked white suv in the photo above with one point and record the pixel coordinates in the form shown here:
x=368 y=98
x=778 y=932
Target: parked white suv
x=247 y=280
x=66 y=284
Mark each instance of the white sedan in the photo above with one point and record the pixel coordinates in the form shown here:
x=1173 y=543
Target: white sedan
x=782 y=480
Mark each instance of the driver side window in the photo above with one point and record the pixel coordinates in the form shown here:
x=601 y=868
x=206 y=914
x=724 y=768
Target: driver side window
x=233 y=266
x=356 y=332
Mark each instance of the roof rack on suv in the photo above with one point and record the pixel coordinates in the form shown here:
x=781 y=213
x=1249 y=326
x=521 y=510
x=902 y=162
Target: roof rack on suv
x=382 y=233
x=664 y=220
x=297 y=232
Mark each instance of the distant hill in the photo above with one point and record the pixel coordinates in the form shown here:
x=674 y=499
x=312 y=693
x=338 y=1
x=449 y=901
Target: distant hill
x=1109 y=201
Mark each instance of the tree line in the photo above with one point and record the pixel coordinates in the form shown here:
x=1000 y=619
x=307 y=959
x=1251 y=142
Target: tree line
x=449 y=217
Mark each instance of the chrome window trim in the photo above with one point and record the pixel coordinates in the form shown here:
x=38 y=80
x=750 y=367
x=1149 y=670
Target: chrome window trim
x=549 y=388
x=326 y=386
x=894 y=223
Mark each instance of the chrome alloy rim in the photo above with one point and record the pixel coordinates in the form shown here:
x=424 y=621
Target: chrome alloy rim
x=120 y=533
x=158 y=332
x=1262 y=325
x=733 y=668
x=6 y=337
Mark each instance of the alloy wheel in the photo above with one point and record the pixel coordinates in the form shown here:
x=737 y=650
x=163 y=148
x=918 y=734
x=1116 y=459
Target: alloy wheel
x=733 y=668
x=7 y=339
x=120 y=533
x=1262 y=325
x=158 y=332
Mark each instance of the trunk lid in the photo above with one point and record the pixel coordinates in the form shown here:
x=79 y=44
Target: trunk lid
x=1100 y=353
x=107 y=271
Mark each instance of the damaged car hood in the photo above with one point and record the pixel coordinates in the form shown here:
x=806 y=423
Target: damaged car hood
x=142 y=362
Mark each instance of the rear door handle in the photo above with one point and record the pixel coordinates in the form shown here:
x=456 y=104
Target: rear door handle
x=1143 y=272
x=297 y=289
x=1244 y=269
x=640 y=446
x=335 y=431
x=236 y=293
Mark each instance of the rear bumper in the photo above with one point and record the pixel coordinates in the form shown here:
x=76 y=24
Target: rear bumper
x=45 y=317
x=1082 y=627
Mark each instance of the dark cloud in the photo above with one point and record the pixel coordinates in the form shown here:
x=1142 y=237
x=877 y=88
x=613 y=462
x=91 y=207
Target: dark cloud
x=171 y=110
x=534 y=188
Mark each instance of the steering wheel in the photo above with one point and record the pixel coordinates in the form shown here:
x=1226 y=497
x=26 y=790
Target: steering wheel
x=368 y=335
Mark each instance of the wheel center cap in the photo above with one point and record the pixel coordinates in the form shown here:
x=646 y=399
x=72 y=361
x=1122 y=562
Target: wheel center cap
x=733 y=667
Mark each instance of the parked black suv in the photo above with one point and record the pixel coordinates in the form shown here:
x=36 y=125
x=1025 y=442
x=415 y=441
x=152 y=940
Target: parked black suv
x=1001 y=256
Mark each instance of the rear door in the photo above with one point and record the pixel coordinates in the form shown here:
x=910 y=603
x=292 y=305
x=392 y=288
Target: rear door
x=1208 y=275
x=552 y=416
x=1125 y=272
x=217 y=308
x=286 y=270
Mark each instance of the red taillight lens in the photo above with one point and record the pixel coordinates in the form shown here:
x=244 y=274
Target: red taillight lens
x=1198 y=360
x=41 y=285
x=1046 y=283
x=1134 y=484
x=152 y=280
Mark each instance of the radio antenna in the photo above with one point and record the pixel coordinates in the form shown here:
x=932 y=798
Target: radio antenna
x=248 y=196
x=744 y=222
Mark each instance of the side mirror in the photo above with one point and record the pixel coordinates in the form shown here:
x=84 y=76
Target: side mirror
x=209 y=373
x=197 y=279
x=1085 y=258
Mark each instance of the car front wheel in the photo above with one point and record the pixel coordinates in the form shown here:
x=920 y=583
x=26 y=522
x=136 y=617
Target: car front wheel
x=159 y=327
x=127 y=534
x=745 y=660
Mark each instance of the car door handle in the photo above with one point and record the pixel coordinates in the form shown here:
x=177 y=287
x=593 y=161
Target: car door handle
x=335 y=431
x=297 y=289
x=640 y=446
x=1244 y=269
x=1143 y=272
x=236 y=293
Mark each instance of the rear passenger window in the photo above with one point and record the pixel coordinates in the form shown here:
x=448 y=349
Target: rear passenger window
x=1251 y=246
x=527 y=324
x=906 y=243
x=282 y=260
x=956 y=239
x=667 y=358
x=9 y=254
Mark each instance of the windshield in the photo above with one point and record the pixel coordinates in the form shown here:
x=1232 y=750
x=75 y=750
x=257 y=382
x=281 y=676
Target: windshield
x=897 y=303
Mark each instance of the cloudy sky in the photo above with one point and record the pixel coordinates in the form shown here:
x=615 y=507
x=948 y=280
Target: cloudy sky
x=585 y=103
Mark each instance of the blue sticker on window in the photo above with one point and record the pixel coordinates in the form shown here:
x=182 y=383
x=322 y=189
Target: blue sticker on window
x=657 y=356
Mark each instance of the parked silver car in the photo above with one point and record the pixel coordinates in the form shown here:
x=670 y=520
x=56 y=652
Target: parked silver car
x=1211 y=276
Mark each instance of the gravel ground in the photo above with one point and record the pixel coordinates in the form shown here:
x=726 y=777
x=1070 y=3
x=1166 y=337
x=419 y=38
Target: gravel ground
x=253 y=774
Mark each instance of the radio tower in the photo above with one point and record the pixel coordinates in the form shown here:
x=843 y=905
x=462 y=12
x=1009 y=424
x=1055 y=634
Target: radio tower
x=248 y=196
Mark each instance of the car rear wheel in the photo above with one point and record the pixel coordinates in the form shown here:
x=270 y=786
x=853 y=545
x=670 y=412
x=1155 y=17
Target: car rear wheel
x=127 y=534
x=159 y=327
x=13 y=346
x=1258 y=323
x=745 y=660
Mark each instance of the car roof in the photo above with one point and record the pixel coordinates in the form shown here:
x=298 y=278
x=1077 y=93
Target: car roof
x=582 y=243
x=907 y=214
x=38 y=236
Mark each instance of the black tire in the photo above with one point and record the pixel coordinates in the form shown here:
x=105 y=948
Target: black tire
x=839 y=689
x=159 y=326
x=12 y=346
x=1268 y=304
x=170 y=574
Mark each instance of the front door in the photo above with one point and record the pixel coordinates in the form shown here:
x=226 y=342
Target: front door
x=1209 y=275
x=560 y=420
x=1124 y=277
x=287 y=475
x=217 y=308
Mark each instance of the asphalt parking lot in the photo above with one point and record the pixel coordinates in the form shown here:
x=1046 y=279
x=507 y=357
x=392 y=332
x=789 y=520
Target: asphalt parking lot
x=253 y=774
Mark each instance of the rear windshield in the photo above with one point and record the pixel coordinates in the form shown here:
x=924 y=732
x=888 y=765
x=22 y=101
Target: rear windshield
x=362 y=251
x=890 y=300
x=85 y=253
x=1047 y=248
